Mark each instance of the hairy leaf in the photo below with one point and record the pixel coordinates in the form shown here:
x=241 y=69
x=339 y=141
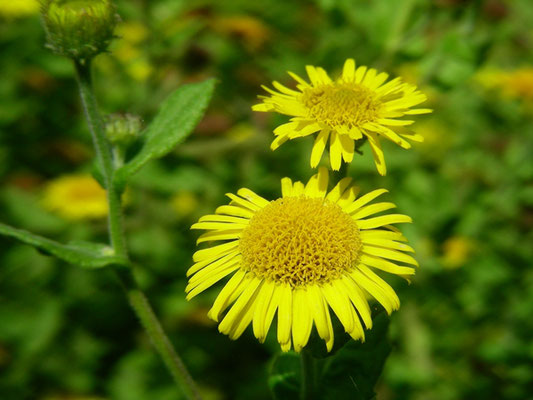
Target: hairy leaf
x=177 y=118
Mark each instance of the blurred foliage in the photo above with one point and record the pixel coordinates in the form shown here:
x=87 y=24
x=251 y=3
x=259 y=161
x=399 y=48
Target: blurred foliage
x=464 y=328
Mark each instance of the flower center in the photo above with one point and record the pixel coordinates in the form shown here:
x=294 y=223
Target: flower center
x=300 y=241
x=341 y=103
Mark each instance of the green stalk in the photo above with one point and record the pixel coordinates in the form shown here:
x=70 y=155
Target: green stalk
x=307 y=364
x=136 y=297
x=103 y=155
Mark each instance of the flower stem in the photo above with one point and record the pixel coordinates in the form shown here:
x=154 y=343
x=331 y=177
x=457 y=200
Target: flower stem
x=307 y=388
x=151 y=324
x=103 y=155
x=136 y=297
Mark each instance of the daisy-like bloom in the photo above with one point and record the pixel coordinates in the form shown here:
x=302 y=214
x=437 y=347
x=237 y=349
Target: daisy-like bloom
x=358 y=104
x=75 y=197
x=298 y=256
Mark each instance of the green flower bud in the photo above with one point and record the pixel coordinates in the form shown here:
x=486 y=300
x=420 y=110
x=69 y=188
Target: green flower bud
x=122 y=129
x=79 y=29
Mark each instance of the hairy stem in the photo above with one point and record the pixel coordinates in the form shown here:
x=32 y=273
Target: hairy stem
x=104 y=157
x=151 y=324
x=136 y=297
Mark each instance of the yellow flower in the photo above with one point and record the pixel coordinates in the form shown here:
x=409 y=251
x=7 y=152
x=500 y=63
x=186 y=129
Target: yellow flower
x=297 y=256
x=513 y=84
x=184 y=203
x=252 y=31
x=457 y=251
x=18 y=8
x=358 y=104
x=75 y=197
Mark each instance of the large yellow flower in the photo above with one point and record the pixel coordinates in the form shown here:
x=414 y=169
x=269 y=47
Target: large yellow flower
x=76 y=197
x=297 y=257
x=358 y=104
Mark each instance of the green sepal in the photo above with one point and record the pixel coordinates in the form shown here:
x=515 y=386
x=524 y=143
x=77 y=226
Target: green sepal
x=177 y=118
x=83 y=254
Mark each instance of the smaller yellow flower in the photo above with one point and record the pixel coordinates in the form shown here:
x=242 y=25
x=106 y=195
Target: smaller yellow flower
x=512 y=84
x=75 y=197
x=130 y=53
x=358 y=104
x=184 y=203
x=252 y=31
x=18 y=8
x=457 y=251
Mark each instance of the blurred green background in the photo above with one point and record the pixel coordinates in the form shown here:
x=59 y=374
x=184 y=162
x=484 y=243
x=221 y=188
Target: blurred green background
x=464 y=329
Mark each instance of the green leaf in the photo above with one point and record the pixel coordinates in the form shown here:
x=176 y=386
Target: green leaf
x=284 y=379
x=84 y=254
x=177 y=118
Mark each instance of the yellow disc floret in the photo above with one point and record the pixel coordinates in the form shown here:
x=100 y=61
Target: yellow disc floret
x=300 y=241
x=341 y=103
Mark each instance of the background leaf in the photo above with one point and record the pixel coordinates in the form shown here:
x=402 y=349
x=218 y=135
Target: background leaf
x=177 y=118
x=84 y=254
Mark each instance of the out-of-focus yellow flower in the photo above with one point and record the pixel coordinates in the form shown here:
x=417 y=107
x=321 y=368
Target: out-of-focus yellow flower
x=140 y=69
x=129 y=52
x=18 y=8
x=132 y=32
x=240 y=132
x=75 y=197
x=251 y=31
x=184 y=203
x=512 y=84
x=456 y=252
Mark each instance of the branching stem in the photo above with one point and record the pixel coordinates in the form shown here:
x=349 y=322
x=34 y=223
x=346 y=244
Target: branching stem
x=136 y=297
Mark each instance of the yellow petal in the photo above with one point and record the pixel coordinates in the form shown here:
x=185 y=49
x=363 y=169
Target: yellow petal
x=335 y=151
x=348 y=71
x=231 y=319
x=302 y=319
x=383 y=220
x=284 y=314
x=372 y=209
x=348 y=147
x=229 y=294
x=262 y=317
x=318 y=147
x=286 y=187
x=379 y=159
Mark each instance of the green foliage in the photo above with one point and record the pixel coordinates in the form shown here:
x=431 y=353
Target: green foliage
x=177 y=118
x=351 y=372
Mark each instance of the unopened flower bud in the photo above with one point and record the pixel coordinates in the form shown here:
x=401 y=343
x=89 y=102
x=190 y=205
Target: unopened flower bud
x=122 y=129
x=79 y=29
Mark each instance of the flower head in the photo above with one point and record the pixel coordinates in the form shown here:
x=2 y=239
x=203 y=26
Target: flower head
x=297 y=257
x=76 y=197
x=358 y=104
x=79 y=29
